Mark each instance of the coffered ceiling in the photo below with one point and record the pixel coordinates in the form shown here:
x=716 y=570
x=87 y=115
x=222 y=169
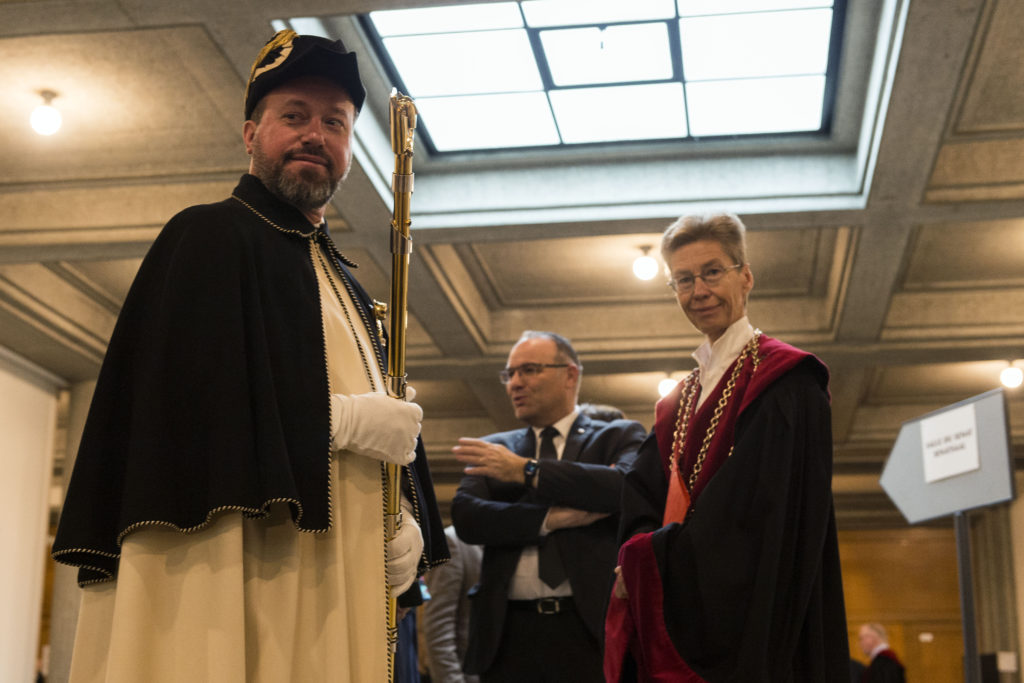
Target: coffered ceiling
x=895 y=251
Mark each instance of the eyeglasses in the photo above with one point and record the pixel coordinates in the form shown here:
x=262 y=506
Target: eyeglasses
x=684 y=284
x=527 y=370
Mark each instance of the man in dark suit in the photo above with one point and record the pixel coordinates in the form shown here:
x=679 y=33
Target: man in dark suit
x=544 y=502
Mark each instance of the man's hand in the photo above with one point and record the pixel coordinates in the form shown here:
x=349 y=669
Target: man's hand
x=565 y=518
x=490 y=460
x=376 y=426
x=404 y=552
x=619 y=590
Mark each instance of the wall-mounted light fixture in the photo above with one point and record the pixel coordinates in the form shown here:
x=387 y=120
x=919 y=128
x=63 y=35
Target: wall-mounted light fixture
x=45 y=118
x=1011 y=376
x=645 y=267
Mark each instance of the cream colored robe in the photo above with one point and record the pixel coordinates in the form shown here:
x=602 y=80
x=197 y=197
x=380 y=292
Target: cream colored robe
x=255 y=600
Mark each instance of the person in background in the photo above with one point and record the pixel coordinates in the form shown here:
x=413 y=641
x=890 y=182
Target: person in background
x=445 y=623
x=884 y=666
x=600 y=411
x=407 y=657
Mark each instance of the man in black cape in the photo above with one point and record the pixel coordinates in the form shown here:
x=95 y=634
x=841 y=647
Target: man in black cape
x=226 y=507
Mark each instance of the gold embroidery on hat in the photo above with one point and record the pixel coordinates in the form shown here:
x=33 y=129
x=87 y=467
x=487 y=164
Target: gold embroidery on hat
x=283 y=40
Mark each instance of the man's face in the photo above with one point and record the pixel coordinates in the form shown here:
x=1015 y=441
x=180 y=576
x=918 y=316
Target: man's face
x=711 y=309
x=868 y=640
x=302 y=146
x=548 y=396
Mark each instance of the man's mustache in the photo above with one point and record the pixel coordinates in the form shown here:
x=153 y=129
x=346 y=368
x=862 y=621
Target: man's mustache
x=306 y=152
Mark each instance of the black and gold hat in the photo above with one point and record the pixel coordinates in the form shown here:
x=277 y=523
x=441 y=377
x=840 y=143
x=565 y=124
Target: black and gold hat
x=288 y=56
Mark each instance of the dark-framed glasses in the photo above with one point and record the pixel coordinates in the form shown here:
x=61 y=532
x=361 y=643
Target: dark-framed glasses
x=527 y=370
x=711 y=276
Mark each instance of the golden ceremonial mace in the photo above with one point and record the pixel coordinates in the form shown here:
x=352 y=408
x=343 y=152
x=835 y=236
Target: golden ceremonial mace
x=402 y=120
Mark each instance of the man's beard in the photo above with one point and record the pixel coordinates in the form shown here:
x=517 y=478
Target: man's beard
x=306 y=189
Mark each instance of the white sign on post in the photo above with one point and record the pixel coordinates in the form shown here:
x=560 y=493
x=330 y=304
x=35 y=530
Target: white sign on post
x=953 y=459
x=949 y=443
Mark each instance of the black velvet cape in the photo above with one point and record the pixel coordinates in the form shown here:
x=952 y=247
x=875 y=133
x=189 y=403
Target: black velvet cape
x=750 y=583
x=213 y=395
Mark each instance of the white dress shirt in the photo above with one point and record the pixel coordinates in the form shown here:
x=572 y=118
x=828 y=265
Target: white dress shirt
x=714 y=359
x=526 y=582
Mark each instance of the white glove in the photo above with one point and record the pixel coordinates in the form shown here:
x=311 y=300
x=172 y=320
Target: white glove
x=376 y=425
x=404 y=552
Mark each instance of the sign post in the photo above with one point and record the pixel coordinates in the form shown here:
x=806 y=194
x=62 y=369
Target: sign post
x=949 y=461
x=972 y=662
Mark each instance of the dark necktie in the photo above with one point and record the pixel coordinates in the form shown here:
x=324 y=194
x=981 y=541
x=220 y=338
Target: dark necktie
x=549 y=559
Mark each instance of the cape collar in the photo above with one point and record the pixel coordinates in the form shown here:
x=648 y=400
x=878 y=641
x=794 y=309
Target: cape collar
x=254 y=196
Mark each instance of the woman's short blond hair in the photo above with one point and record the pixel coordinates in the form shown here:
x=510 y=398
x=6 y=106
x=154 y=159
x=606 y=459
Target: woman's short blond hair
x=725 y=228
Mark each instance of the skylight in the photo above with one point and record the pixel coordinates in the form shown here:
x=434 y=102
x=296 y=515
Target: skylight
x=553 y=73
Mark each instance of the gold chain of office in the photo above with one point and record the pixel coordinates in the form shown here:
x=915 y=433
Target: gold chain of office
x=687 y=400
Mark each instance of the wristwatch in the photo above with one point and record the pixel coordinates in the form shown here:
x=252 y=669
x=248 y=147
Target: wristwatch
x=530 y=471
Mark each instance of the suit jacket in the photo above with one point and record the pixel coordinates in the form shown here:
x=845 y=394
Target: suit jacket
x=506 y=517
x=445 y=621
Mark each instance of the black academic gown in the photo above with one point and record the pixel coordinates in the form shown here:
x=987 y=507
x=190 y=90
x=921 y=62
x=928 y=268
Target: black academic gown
x=213 y=395
x=885 y=667
x=751 y=583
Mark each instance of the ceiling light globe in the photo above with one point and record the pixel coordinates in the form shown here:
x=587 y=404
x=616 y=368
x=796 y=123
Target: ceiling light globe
x=45 y=120
x=645 y=267
x=666 y=385
x=1011 y=377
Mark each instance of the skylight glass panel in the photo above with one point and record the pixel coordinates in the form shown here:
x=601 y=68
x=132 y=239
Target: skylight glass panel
x=465 y=63
x=760 y=44
x=447 y=19
x=489 y=121
x=761 y=105
x=690 y=8
x=308 y=26
x=632 y=112
x=577 y=12
x=631 y=52
x=671 y=70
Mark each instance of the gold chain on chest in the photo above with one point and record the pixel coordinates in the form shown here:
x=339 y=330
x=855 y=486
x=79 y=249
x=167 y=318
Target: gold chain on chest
x=288 y=231
x=688 y=399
